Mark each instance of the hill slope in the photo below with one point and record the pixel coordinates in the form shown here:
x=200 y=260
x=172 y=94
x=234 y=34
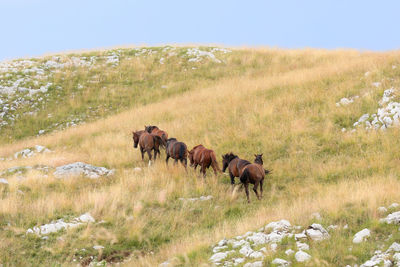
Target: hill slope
x=278 y=102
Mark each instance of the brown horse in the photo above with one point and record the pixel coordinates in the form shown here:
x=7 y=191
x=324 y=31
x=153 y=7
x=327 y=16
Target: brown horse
x=147 y=142
x=234 y=164
x=204 y=157
x=152 y=129
x=176 y=150
x=253 y=173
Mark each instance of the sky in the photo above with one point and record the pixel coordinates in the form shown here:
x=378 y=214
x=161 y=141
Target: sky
x=37 y=27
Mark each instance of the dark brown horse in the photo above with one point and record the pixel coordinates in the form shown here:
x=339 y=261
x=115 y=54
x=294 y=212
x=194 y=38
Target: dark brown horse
x=176 y=150
x=204 y=157
x=253 y=173
x=234 y=164
x=152 y=129
x=147 y=142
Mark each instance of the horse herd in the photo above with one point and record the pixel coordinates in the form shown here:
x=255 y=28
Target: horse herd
x=152 y=138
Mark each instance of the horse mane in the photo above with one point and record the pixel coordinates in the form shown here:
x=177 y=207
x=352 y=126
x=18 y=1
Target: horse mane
x=150 y=128
x=197 y=146
x=171 y=139
x=230 y=156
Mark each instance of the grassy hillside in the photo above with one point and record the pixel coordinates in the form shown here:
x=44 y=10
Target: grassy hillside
x=278 y=102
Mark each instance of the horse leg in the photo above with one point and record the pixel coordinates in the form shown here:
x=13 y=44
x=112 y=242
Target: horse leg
x=261 y=188
x=175 y=162
x=255 y=189
x=149 y=153
x=246 y=187
x=232 y=178
x=195 y=166
x=204 y=170
x=142 y=151
x=184 y=163
x=166 y=160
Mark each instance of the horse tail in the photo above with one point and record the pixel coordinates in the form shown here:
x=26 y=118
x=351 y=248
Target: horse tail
x=245 y=176
x=267 y=171
x=158 y=140
x=182 y=151
x=214 y=161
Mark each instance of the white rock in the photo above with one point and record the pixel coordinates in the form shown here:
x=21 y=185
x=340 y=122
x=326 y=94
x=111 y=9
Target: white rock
x=219 y=248
x=394 y=247
x=289 y=251
x=300 y=236
x=86 y=218
x=80 y=168
x=394 y=206
x=302 y=256
x=264 y=250
x=274 y=246
x=256 y=254
x=382 y=209
x=258 y=238
x=238 y=261
x=246 y=250
x=137 y=169
x=239 y=243
x=98 y=247
x=302 y=246
x=361 y=236
x=280 y=262
x=332 y=227
x=218 y=257
x=316 y=232
x=3 y=181
x=282 y=225
x=396 y=257
x=392 y=218
x=254 y=264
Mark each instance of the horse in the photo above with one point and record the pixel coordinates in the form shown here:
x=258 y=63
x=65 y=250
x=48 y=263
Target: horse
x=234 y=164
x=147 y=142
x=152 y=129
x=176 y=150
x=204 y=157
x=254 y=173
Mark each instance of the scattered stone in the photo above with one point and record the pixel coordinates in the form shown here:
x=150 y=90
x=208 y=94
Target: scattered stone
x=280 y=262
x=3 y=181
x=394 y=206
x=302 y=246
x=394 y=247
x=254 y=264
x=316 y=216
x=332 y=227
x=98 y=247
x=317 y=233
x=80 y=168
x=202 y=198
x=58 y=225
x=361 y=236
x=382 y=210
x=302 y=256
x=218 y=257
x=137 y=169
x=392 y=218
x=289 y=251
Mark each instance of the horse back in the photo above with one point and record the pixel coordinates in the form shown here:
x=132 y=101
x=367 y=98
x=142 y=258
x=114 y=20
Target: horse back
x=146 y=140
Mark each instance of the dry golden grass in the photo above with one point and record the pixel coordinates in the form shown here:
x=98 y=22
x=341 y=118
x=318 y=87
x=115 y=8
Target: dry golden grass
x=284 y=108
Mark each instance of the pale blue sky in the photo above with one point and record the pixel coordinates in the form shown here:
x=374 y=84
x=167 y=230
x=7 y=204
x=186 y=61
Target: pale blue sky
x=34 y=27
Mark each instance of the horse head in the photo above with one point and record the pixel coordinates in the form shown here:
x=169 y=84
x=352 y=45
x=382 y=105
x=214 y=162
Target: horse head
x=226 y=159
x=135 y=137
x=191 y=159
x=258 y=159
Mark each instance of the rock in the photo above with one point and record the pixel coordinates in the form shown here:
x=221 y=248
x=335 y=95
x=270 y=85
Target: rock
x=317 y=233
x=238 y=261
x=256 y=254
x=222 y=242
x=254 y=264
x=164 y=264
x=302 y=256
x=264 y=250
x=239 y=243
x=80 y=168
x=289 y=251
x=3 y=181
x=392 y=218
x=394 y=206
x=396 y=257
x=280 y=262
x=258 y=238
x=218 y=257
x=137 y=169
x=382 y=210
x=98 y=247
x=302 y=246
x=300 y=236
x=361 y=236
x=246 y=250
x=394 y=247
x=282 y=225
x=58 y=225
x=219 y=248
x=273 y=246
